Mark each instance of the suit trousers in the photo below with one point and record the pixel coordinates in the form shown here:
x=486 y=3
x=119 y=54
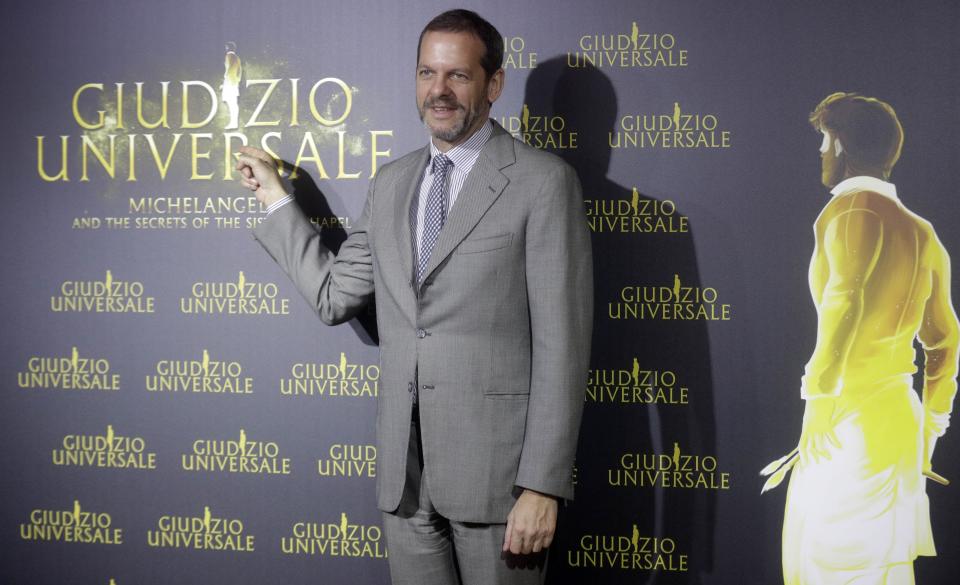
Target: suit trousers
x=425 y=548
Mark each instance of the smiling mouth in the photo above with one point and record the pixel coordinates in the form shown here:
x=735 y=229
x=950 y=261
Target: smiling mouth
x=442 y=110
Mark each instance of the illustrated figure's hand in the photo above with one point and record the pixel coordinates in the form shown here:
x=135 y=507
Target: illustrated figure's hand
x=935 y=424
x=818 y=433
x=260 y=175
x=531 y=524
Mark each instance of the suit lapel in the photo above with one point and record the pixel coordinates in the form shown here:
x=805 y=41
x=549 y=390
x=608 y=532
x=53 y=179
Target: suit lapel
x=407 y=187
x=483 y=186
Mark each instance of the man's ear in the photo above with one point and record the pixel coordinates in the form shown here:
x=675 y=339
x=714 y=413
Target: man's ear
x=495 y=86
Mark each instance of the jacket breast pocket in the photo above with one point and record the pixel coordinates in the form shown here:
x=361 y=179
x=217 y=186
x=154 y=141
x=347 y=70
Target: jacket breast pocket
x=486 y=244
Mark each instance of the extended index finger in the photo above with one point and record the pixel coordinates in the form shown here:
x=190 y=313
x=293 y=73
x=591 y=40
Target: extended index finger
x=257 y=153
x=252 y=162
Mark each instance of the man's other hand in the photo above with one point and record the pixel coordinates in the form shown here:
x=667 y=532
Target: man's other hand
x=260 y=175
x=531 y=524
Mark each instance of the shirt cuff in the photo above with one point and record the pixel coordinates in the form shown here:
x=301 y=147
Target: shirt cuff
x=278 y=204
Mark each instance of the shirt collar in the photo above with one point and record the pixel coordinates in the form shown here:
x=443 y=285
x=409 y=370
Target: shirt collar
x=464 y=155
x=864 y=183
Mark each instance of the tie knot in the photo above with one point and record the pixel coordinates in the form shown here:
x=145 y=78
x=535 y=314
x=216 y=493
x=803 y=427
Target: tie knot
x=440 y=163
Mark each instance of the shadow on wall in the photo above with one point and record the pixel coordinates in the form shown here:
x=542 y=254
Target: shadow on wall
x=610 y=513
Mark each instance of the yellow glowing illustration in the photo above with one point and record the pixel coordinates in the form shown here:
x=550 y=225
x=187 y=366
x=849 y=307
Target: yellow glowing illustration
x=525 y=118
x=676 y=115
x=243 y=441
x=676 y=455
x=635 y=201
x=857 y=509
x=241 y=281
x=676 y=288
x=343 y=364
x=109 y=437
x=230 y=89
x=635 y=374
x=634 y=34
x=206 y=518
x=206 y=362
x=343 y=524
x=635 y=539
x=75 y=358
x=76 y=512
x=108 y=282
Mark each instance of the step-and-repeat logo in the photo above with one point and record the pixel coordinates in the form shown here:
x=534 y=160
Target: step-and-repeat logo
x=678 y=302
x=203 y=376
x=109 y=450
x=635 y=48
x=110 y=295
x=676 y=129
x=516 y=55
x=122 y=132
x=128 y=130
x=73 y=372
x=637 y=215
x=628 y=552
x=240 y=455
x=545 y=132
x=347 y=460
x=635 y=385
x=204 y=532
x=335 y=539
x=341 y=379
x=669 y=470
x=75 y=525
x=240 y=297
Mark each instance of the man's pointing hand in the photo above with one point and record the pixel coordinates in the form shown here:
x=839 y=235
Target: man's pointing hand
x=260 y=174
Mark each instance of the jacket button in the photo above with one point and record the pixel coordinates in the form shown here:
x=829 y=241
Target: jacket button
x=421 y=333
x=409 y=386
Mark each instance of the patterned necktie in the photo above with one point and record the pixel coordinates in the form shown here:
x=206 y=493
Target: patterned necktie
x=435 y=213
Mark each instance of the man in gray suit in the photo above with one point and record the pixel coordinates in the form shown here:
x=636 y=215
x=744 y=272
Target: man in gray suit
x=478 y=251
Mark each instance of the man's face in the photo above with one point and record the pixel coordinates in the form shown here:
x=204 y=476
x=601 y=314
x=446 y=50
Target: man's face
x=453 y=92
x=832 y=167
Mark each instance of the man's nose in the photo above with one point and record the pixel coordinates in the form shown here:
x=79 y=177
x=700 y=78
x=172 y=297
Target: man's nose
x=440 y=87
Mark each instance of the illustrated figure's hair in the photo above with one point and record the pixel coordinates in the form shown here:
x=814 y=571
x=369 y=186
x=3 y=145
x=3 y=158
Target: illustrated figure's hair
x=868 y=129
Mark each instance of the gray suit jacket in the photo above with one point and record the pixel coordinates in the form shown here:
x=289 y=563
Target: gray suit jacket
x=497 y=335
